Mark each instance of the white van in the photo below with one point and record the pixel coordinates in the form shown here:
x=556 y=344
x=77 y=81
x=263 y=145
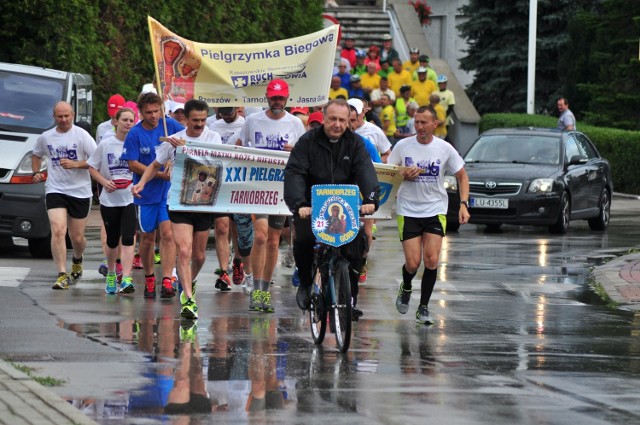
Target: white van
x=27 y=97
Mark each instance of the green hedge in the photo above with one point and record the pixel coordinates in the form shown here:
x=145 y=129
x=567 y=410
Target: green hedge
x=620 y=147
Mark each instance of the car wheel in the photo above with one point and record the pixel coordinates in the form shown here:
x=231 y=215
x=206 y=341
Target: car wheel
x=40 y=247
x=601 y=222
x=562 y=224
x=493 y=228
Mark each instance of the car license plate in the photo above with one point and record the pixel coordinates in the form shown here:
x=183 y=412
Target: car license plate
x=489 y=203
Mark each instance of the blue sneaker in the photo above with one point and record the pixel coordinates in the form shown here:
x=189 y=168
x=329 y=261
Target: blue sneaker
x=112 y=285
x=295 y=279
x=103 y=269
x=126 y=286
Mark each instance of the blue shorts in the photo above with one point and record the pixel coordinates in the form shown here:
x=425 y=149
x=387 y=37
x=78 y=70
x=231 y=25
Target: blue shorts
x=151 y=215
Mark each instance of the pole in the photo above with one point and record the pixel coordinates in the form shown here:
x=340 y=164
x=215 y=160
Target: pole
x=531 y=73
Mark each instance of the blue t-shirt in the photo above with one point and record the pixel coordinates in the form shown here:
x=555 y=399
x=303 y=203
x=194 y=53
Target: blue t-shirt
x=140 y=145
x=371 y=148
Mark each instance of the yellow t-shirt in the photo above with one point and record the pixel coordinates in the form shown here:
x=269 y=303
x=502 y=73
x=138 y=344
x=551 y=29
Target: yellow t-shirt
x=441 y=129
x=389 y=114
x=335 y=93
x=370 y=81
x=411 y=67
x=397 y=80
x=421 y=90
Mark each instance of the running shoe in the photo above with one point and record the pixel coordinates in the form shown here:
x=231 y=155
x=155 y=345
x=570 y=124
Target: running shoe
x=76 y=270
x=295 y=278
x=288 y=260
x=103 y=269
x=255 y=304
x=237 y=272
x=189 y=310
x=267 y=307
x=247 y=285
x=150 y=286
x=188 y=329
x=137 y=262
x=62 y=282
x=303 y=298
x=167 y=290
x=126 y=286
x=223 y=282
x=403 y=298
x=422 y=315
x=156 y=257
x=112 y=284
x=183 y=296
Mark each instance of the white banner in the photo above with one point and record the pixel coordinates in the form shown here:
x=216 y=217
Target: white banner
x=236 y=179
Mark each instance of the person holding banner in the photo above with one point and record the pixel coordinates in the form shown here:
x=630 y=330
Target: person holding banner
x=190 y=229
x=330 y=154
x=276 y=129
x=422 y=205
x=140 y=150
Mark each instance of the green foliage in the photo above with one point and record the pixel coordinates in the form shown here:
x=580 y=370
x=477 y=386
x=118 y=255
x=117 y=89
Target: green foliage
x=620 y=147
x=109 y=39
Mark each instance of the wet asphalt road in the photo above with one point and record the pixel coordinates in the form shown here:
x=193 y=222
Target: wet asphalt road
x=518 y=338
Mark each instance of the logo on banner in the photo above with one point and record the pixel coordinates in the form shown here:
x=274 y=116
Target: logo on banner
x=240 y=81
x=334 y=213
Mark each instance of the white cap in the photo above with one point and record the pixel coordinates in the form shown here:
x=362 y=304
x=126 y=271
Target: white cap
x=149 y=88
x=356 y=103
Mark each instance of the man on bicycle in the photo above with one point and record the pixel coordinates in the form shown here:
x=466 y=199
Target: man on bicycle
x=328 y=154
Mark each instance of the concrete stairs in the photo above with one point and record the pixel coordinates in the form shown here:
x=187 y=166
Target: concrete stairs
x=366 y=23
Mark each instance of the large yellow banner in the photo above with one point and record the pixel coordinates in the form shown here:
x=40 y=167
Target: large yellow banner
x=238 y=74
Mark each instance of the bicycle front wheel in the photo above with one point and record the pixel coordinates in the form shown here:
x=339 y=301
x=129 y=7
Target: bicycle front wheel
x=341 y=311
x=317 y=310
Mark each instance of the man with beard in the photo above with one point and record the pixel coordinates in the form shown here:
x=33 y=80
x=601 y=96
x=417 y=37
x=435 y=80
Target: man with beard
x=273 y=129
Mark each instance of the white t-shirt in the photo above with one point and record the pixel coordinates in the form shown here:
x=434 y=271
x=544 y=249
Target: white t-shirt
x=260 y=131
x=75 y=144
x=166 y=152
x=425 y=196
x=103 y=129
x=376 y=135
x=228 y=131
x=106 y=159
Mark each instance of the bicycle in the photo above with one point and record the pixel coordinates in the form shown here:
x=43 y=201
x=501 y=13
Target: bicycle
x=331 y=293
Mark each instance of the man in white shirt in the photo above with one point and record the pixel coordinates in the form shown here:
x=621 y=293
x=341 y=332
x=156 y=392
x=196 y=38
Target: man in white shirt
x=371 y=131
x=422 y=205
x=67 y=188
x=229 y=124
x=274 y=129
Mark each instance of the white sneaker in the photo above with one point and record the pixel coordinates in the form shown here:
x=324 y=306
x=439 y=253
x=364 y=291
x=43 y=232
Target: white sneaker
x=247 y=284
x=288 y=260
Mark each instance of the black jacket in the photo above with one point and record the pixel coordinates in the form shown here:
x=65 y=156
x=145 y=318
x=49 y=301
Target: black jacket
x=315 y=160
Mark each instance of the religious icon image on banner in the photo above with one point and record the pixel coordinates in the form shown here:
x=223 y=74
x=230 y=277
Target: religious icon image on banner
x=200 y=182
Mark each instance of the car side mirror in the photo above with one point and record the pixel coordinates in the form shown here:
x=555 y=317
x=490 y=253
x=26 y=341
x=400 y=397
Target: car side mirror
x=577 y=159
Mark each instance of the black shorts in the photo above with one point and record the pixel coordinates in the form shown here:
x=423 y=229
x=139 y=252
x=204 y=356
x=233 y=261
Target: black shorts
x=275 y=221
x=413 y=227
x=199 y=221
x=76 y=207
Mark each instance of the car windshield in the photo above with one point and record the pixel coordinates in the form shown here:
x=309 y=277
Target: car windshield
x=515 y=148
x=27 y=101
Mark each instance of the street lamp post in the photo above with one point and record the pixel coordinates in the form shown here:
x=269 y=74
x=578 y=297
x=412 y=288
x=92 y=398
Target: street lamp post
x=531 y=72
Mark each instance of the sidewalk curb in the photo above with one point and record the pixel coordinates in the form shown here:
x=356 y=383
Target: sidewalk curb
x=35 y=404
x=617 y=288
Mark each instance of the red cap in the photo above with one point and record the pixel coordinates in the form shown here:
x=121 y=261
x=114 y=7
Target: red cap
x=115 y=102
x=300 y=110
x=315 y=117
x=278 y=88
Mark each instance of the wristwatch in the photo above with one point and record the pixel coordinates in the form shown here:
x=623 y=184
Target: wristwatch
x=465 y=203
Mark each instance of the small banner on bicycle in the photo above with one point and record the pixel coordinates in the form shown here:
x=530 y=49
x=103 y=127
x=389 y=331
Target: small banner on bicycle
x=335 y=217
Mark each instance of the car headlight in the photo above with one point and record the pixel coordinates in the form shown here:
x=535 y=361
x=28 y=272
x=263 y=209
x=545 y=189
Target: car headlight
x=451 y=183
x=541 y=186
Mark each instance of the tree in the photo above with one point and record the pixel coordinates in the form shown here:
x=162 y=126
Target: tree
x=497 y=34
x=109 y=39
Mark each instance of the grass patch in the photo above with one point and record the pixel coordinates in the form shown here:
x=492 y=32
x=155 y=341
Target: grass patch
x=45 y=381
x=602 y=294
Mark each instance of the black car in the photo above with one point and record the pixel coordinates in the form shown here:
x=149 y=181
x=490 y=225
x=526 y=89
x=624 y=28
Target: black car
x=534 y=176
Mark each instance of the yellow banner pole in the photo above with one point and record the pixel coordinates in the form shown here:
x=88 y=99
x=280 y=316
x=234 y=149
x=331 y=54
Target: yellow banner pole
x=151 y=21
